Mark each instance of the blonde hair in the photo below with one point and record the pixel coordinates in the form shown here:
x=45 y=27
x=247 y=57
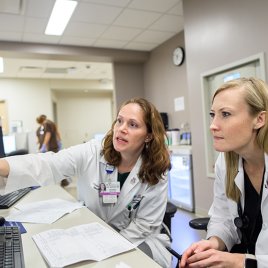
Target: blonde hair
x=155 y=158
x=256 y=97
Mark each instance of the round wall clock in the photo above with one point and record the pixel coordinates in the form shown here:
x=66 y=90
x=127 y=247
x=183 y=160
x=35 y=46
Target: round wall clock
x=178 y=56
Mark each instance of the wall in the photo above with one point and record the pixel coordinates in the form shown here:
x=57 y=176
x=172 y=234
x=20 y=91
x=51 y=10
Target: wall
x=164 y=81
x=26 y=99
x=217 y=33
x=129 y=81
x=82 y=115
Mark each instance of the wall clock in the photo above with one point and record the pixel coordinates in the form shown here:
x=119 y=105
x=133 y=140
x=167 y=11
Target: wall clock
x=178 y=56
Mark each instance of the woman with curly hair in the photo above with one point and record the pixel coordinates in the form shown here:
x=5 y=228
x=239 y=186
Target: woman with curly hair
x=132 y=162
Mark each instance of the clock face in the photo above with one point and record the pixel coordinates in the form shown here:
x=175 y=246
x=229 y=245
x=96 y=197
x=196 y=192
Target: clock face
x=178 y=56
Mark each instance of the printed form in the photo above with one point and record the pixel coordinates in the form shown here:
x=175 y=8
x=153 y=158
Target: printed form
x=47 y=211
x=90 y=241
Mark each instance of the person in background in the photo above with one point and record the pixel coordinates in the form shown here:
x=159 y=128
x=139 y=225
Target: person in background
x=49 y=138
x=237 y=233
x=132 y=161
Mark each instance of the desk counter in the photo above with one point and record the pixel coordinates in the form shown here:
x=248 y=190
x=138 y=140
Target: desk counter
x=132 y=259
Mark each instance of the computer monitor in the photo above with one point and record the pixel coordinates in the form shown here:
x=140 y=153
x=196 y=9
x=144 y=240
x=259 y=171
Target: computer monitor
x=9 y=143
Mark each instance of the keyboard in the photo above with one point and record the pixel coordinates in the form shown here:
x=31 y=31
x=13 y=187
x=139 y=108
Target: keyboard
x=7 y=200
x=11 y=251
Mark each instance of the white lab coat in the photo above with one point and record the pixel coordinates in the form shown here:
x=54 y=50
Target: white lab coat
x=223 y=211
x=89 y=166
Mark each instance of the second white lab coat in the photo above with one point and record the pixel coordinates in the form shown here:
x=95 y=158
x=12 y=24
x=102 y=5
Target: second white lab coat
x=89 y=166
x=224 y=210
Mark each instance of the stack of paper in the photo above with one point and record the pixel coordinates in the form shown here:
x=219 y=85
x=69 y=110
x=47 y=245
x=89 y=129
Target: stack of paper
x=47 y=211
x=84 y=242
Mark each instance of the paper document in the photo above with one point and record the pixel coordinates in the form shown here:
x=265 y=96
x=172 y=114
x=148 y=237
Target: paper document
x=47 y=211
x=90 y=241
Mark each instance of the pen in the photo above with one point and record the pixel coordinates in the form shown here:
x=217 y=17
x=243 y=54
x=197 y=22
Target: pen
x=174 y=253
x=137 y=204
x=129 y=209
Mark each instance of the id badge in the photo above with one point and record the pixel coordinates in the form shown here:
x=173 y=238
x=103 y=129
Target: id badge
x=109 y=199
x=109 y=191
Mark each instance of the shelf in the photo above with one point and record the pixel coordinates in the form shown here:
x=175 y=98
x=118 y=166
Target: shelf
x=181 y=149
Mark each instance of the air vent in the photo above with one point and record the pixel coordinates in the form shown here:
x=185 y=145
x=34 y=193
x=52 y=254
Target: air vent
x=11 y=6
x=30 y=69
x=56 y=70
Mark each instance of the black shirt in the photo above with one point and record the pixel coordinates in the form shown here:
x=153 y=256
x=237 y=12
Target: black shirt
x=252 y=210
x=122 y=178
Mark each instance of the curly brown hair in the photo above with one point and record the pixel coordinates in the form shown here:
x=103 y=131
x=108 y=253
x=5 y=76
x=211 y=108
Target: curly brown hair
x=155 y=156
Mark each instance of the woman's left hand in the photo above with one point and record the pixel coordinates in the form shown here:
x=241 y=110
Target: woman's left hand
x=215 y=258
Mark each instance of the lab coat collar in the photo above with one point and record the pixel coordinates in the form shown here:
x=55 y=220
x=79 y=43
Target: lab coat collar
x=131 y=180
x=239 y=179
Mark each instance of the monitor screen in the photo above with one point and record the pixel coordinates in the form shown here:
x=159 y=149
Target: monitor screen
x=9 y=143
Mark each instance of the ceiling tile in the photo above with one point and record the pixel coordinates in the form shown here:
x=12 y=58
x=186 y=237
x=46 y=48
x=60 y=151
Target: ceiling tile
x=155 y=37
x=10 y=6
x=39 y=8
x=38 y=38
x=140 y=46
x=168 y=23
x=110 y=43
x=13 y=23
x=34 y=25
x=120 y=33
x=95 y=13
x=84 y=30
x=76 y=41
x=153 y=5
x=119 y=3
x=10 y=36
x=136 y=18
x=176 y=10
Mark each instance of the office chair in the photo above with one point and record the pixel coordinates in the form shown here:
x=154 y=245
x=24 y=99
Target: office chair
x=199 y=223
x=169 y=214
x=166 y=227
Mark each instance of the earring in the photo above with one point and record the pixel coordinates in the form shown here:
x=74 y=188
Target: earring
x=147 y=145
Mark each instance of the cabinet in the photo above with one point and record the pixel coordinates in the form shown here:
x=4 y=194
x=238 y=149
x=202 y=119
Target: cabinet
x=180 y=177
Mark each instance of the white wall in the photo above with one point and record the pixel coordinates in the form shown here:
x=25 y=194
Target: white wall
x=26 y=99
x=81 y=115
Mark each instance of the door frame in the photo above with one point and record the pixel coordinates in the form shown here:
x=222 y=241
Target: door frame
x=260 y=60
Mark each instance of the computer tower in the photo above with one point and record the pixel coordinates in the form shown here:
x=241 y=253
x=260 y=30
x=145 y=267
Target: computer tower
x=164 y=117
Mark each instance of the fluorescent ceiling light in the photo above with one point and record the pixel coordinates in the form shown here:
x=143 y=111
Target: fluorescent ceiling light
x=1 y=65
x=60 y=16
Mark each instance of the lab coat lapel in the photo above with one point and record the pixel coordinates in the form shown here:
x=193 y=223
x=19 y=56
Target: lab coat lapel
x=239 y=180
x=265 y=182
x=130 y=183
